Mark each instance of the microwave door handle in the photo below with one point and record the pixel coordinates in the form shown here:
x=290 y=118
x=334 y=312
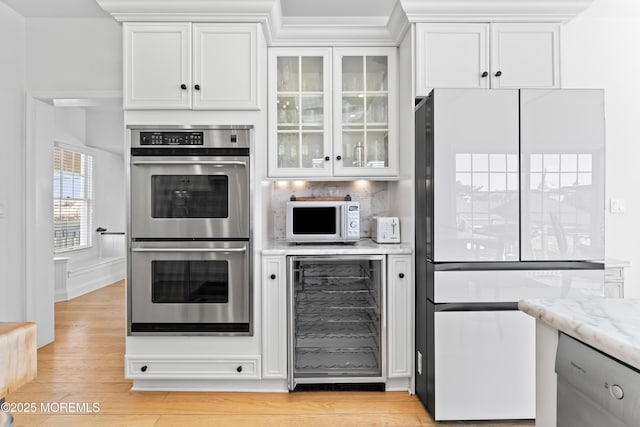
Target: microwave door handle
x=343 y=226
x=190 y=162
x=242 y=249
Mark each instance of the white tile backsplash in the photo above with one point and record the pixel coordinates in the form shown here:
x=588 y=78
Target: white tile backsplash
x=372 y=196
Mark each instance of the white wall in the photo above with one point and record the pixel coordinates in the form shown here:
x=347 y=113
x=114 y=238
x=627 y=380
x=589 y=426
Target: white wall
x=70 y=125
x=601 y=48
x=105 y=129
x=74 y=55
x=12 y=202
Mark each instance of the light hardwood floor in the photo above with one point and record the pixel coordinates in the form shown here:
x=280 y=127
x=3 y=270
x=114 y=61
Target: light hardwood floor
x=85 y=364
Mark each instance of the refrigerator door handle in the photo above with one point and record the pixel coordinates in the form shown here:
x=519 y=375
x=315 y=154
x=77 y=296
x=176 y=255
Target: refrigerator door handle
x=476 y=306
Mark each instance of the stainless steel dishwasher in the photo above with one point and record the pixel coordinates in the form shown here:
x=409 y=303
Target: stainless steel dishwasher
x=595 y=390
x=337 y=322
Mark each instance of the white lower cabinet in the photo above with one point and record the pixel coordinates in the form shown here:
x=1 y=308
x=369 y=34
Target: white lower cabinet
x=484 y=365
x=274 y=317
x=400 y=316
x=185 y=367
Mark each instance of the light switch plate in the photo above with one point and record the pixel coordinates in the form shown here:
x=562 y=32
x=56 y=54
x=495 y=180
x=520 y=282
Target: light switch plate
x=617 y=205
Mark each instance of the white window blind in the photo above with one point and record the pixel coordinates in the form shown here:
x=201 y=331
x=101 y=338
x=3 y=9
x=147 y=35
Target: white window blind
x=72 y=199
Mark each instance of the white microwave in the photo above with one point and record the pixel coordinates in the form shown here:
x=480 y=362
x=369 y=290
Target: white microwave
x=323 y=221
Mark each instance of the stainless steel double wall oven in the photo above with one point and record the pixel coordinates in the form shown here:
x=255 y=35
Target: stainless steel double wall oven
x=190 y=263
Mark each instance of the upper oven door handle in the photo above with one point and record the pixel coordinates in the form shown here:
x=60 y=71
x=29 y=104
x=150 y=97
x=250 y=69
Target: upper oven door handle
x=241 y=249
x=190 y=162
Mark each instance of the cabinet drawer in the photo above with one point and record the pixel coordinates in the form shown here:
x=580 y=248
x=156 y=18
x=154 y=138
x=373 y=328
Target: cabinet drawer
x=183 y=367
x=613 y=274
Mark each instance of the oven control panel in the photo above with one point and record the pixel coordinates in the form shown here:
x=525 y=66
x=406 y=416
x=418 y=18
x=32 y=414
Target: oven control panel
x=172 y=138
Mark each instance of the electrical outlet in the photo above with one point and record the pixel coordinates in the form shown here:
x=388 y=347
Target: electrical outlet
x=617 y=206
x=419 y=363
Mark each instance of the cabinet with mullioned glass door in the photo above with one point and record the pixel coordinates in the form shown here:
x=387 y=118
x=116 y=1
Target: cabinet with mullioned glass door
x=333 y=112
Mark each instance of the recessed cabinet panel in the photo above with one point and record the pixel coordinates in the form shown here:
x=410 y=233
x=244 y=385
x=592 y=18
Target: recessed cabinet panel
x=400 y=315
x=157 y=62
x=526 y=55
x=274 y=317
x=451 y=55
x=225 y=66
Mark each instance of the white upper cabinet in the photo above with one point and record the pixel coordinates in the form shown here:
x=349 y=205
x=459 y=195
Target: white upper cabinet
x=451 y=56
x=479 y=55
x=157 y=64
x=365 y=109
x=300 y=112
x=225 y=66
x=333 y=112
x=525 y=55
x=183 y=65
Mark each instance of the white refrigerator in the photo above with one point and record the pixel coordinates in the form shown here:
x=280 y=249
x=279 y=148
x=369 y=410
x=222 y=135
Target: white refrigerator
x=509 y=205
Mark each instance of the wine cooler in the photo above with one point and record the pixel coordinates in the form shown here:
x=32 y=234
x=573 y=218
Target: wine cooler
x=337 y=322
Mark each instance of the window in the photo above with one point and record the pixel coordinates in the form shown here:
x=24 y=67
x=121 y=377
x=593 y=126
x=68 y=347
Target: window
x=72 y=199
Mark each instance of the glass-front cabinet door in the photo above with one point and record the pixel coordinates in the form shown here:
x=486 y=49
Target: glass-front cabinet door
x=364 y=101
x=299 y=112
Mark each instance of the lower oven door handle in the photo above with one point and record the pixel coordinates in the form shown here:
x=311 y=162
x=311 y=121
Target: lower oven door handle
x=190 y=162
x=242 y=249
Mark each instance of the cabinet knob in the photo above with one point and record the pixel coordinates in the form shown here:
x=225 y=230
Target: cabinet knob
x=339 y=158
x=498 y=74
x=273 y=277
x=327 y=158
x=144 y=368
x=239 y=369
x=183 y=86
x=196 y=87
x=485 y=74
x=401 y=275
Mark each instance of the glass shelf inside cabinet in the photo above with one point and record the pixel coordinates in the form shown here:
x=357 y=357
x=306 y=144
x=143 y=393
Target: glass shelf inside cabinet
x=365 y=112
x=300 y=112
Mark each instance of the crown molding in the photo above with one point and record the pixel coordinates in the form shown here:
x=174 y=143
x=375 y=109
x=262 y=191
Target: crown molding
x=398 y=24
x=189 y=10
x=493 y=10
x=343 y=30
x=334 y=31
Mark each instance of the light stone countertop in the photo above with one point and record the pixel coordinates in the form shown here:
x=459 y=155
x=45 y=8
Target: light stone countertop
x=610 y=325
x=362 y=247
